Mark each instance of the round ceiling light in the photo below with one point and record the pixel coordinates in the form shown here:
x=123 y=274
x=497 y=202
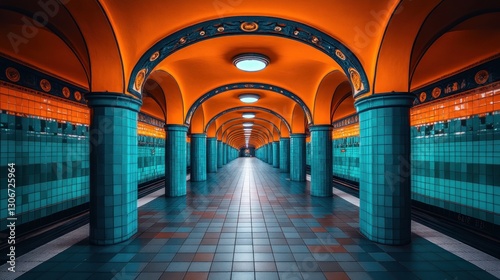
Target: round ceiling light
x=248 y=124
x=248 y=115
x=251 y=62
x=249 y=98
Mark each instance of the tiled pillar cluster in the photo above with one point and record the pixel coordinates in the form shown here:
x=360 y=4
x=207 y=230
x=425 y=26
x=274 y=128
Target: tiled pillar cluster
x=276 y=154
x=212 y=155
x=225 y=154
x=270 y=153
x=321 y=160
x=176 y=160
x=285 y=155
x=298 y=157
x=198 y=157
x=113 y=167
x=220 y=152
x=385 y=193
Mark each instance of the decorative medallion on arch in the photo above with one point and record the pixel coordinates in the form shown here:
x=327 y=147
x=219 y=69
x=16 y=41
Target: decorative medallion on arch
x=251 y=25
x=257 y=86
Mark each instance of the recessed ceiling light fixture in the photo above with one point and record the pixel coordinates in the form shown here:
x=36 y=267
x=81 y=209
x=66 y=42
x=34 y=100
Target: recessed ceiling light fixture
x=247 y=129
x=249 y=98
x=251 y=62
x=248 y=115
x=248 y=124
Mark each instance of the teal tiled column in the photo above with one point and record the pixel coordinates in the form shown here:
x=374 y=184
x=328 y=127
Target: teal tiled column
x=276 y=154
x=113 y=167
x=285 y=155
x=298 y=157
x=270 y=153
x=220 y=151
x=224 y=154
x=384 y=185
x=212 y=155
x=265 y=153
x=198 y=157
x=321 y=160
x=175 y=160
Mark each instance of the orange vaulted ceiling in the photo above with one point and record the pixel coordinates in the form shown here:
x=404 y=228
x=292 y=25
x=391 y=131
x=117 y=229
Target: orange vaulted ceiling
x=208 y=65
x=140 y=24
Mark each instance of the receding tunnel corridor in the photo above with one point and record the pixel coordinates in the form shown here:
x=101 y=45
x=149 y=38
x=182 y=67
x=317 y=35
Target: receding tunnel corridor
x=249 y=221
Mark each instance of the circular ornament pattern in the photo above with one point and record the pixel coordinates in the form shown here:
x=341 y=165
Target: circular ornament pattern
x=436 y=92
x=12 y=74
x=481 y=77
x=340 y=54
x=66 y=92
x=249 y=26
x=355 y=79
x=220 y=28
x=278 y=28
x=45 y=85
x=78 y=96
x=154 y=56
x=422 y=96
x=139 y=79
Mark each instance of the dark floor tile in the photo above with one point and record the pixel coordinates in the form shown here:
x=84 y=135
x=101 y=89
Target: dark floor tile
x=243 y=266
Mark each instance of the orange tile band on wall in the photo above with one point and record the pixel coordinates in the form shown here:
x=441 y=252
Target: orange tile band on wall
x=32 y=103
x=479 y=101
x=145 y=129
x=346 y=131
x=36 y=104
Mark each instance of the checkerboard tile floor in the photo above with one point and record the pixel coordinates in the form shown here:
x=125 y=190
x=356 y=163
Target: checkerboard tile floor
x=248 y=221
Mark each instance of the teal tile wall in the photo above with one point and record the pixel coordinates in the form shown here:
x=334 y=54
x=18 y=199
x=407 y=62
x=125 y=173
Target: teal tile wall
x=51 y=162
x=346 y=158
x=151 y=158
x=455 y=166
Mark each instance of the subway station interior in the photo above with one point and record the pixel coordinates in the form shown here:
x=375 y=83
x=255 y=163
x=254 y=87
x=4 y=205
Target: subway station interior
x=238 y=139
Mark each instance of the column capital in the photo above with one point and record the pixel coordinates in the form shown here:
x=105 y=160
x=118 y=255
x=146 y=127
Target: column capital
x=176 y=127
x=198 y=135
x=321 y=127
x=384 y=100
x=284 y=138
x=298 y=135
x=112 y=99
